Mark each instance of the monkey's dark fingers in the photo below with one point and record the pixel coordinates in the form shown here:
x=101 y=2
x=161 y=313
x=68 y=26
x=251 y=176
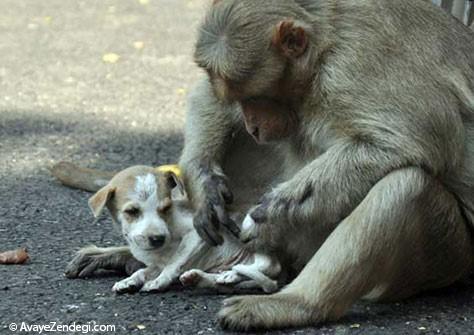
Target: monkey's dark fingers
x=219 y=184
x=226 y=192
x=210 y=236
x=226 y=221
x=260 y=213
x=232 y=227
x=204 y=223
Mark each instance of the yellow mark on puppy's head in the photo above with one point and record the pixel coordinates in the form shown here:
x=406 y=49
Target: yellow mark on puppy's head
x=174 y=168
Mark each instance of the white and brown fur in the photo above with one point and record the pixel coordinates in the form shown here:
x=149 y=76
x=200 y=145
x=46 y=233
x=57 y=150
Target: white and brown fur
x=156 y=221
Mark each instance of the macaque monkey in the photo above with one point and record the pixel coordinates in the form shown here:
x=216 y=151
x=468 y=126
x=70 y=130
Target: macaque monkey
x=366 y=186
x=375 y=198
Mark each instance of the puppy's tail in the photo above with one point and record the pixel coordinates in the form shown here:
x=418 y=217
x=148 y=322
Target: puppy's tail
x=82 y=178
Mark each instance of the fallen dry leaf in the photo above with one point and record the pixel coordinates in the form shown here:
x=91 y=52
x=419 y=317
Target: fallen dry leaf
x=18 y=256
x=110 y=58
x=140 y=327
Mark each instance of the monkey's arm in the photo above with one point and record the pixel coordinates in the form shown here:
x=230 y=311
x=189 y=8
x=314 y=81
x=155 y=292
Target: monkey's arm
x=325 y=191
x=209 y=127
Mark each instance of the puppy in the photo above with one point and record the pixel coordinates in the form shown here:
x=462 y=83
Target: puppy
x=155 y=216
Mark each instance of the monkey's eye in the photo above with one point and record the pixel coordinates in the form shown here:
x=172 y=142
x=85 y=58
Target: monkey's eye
x=132 y=212
x=250 y=100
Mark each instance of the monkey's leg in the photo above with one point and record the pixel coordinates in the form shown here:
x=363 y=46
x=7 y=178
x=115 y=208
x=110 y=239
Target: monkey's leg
x=407 y=235
x=90 y=259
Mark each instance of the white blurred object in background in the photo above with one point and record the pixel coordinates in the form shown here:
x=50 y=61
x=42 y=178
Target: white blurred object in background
x=462 y=9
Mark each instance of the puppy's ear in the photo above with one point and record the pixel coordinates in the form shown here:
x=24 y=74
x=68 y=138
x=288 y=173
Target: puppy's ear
x=175 y=184
x=102 y=198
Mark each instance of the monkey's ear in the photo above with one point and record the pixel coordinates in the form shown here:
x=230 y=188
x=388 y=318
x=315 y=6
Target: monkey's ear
x=99 y=200
x=290 y=38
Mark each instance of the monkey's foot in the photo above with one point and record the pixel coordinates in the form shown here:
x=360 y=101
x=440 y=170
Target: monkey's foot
x=265 y=312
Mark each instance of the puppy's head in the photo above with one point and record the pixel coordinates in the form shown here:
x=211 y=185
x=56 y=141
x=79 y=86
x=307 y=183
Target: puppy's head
x=141 y=200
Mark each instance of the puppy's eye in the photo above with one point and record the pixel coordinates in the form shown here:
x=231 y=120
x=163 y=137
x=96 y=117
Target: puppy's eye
x=132 y=211
x=165 y=208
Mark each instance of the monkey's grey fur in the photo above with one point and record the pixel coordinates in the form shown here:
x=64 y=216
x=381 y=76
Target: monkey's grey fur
x=379 y=193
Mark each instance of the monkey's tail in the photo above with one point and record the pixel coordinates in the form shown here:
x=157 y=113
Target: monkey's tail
x=81 y=178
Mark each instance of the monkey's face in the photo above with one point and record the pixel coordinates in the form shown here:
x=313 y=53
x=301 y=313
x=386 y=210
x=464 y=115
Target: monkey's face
x=250 y=51
x=267 y=120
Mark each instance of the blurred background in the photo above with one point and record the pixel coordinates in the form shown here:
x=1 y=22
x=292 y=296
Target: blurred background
x=462 y=9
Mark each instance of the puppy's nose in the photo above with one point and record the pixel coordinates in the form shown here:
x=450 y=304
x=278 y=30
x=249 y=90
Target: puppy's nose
x=157 y=241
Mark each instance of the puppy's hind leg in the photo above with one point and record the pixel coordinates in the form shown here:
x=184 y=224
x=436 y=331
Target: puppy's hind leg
x=261 y=271
x=199 y=278
x=406 y=236
x=90 y=259
x=219 y=281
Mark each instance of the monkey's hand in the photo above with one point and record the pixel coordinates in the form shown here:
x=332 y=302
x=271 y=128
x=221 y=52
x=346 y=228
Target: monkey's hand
x=211 y=213
x=275 y=206
x=265 y=225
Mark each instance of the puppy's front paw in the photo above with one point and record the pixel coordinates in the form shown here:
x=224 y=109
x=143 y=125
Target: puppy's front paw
x=159 y=284
x=131 y=284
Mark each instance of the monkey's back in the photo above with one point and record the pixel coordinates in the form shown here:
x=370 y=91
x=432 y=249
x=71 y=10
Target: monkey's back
x=401 y=75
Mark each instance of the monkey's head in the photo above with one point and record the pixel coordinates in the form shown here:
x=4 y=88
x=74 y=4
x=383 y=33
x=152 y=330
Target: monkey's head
x=258 y=53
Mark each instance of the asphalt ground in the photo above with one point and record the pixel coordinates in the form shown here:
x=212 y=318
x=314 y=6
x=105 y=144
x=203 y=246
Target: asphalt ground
x=103 y=83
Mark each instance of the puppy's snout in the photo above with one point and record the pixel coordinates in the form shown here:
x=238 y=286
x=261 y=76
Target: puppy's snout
x=157 y=241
